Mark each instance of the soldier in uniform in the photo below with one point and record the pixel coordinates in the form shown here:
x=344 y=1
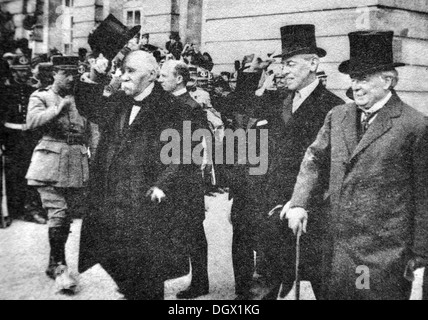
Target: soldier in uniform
x=23 y=202
x=59 y=166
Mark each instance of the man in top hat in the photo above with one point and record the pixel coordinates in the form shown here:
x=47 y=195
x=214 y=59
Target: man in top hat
x=374 y=153
x=19 y=143
x=59 y=166
x=293 y=117
x=174 y=46
x=131 y=191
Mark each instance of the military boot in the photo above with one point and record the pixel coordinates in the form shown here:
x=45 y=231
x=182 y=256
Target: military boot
x=57 y=268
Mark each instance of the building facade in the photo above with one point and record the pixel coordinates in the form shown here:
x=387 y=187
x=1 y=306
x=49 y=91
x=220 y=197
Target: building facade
x=228 y=30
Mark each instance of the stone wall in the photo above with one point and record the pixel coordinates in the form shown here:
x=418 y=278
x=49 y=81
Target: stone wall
x=232 y=29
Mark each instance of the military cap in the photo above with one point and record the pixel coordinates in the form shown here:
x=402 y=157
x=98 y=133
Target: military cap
x=20 y=62
x=65 y=62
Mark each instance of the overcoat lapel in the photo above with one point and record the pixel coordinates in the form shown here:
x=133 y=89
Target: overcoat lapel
x=305 y=109
x=349 y=128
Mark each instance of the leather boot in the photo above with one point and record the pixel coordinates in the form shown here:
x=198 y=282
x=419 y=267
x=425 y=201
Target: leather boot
x=57 y=268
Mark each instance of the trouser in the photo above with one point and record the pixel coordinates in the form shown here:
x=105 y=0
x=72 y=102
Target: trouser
x=54 y=200
x=22 y=199
x=425 y=285
x=280 y=254
x=198 y=254
x=243 y=244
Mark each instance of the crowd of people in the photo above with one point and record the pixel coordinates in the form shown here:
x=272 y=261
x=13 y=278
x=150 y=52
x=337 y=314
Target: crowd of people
x=351 y=176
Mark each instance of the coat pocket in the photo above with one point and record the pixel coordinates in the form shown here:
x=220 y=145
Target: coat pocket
x=45 y=162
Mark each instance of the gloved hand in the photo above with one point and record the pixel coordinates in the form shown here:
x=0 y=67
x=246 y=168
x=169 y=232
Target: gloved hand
x=156 y=194
x=297 y=218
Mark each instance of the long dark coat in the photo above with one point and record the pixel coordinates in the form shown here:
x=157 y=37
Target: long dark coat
x=288 y=142
x=378 y=197
x=122 y=228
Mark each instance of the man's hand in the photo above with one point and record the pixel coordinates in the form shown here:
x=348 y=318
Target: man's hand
x=297 y=219
x=413 y=265
x=65 y=103
x=156 y=194
x=98 y=67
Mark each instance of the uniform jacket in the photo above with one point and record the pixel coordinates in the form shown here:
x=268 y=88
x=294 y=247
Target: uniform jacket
x=378 y=198
x=54 y=161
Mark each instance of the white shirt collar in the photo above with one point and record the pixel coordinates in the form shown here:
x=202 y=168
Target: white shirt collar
x=145 y=93
x=306 y=91
x=303 y=94
x=379 y=105
x=179 y=92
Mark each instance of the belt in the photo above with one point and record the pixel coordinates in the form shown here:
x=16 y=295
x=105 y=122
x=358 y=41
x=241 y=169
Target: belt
x=16 y=126
x=75 y=140
x=70 y=139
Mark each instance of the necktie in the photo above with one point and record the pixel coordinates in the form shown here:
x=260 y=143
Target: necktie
x=287 y=107
x=365 y=117
x=296 y=101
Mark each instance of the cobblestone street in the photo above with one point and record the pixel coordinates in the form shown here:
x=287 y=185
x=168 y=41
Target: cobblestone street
x=24 y=252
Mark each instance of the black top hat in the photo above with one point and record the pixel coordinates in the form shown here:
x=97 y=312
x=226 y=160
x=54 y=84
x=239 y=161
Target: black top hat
x=65 y=62
x=371 y=51
x=110 y=37
x=20 y=62
x=299 y=39
x=145 y=35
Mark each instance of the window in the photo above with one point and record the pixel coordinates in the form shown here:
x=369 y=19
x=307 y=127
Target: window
x=133 y=18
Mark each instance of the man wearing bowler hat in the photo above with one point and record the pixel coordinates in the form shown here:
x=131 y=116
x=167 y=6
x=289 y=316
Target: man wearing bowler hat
x=59 y=165
x=293 y=118
x=374 y=152
x=174 y=45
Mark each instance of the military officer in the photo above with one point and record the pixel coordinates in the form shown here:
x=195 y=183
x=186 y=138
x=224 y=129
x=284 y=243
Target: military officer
x=23 y=202
x=59 y=166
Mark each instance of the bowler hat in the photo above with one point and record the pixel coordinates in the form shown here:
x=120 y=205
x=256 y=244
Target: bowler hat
x=20 y=62
x=65 y=62
x=321 y=74
x=110 y=37
x=175 y=35
x=299 y=39
x=371 y=51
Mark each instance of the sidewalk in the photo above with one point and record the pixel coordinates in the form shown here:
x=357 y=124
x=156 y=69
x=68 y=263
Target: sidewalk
x=24 y=252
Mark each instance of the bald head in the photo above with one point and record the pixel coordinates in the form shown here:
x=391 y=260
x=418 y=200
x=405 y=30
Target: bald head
x=174 y=75
x=139 y=70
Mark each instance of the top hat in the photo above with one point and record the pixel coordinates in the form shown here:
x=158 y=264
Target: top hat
x=110 y=37
x=20 y=62
x=145 y=35
x=65 y=62
x=175 y=35
x=371 y=51
x=299 y=39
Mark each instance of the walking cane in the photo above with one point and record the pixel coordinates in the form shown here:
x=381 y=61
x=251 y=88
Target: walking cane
x=297 y=292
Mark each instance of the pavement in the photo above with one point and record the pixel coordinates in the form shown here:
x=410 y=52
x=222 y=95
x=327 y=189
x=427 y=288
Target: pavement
x=24 y=253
